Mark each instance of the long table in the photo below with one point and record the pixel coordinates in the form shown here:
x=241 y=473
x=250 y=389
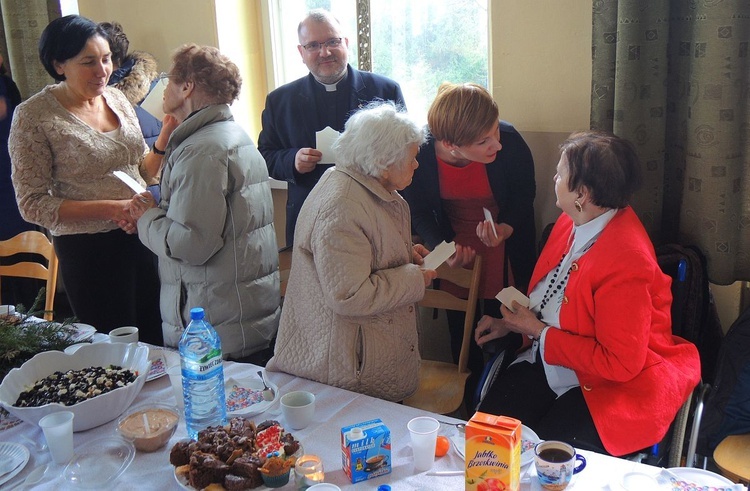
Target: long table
x=334 y=409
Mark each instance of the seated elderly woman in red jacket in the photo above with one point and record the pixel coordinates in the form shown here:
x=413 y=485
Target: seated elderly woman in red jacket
x=604 y=371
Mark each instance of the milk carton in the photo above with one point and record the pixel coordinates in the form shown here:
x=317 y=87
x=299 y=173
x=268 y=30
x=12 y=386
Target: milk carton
x=366 y=450
x=493 y=453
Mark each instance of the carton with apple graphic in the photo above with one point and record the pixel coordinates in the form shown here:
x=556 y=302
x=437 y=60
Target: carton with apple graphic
x=493 y=453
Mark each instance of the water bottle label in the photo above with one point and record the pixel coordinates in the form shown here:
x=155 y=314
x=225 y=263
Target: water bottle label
x=205 y=367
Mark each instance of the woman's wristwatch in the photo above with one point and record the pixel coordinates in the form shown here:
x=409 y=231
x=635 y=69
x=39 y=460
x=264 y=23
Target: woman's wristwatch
x=156 y=150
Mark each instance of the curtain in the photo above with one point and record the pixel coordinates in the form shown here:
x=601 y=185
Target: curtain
x=22 y=24
x=673 y=77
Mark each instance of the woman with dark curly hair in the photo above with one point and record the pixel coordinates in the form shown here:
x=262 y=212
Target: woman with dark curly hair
x=213 y=229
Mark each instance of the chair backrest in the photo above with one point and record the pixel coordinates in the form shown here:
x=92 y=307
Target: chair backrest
x=32 y=242
x=285 y=266
x=439 y=299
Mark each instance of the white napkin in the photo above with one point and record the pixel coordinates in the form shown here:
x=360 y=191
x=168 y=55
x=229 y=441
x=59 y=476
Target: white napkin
x=439 y=255
x=510 y=293
x=323 y=141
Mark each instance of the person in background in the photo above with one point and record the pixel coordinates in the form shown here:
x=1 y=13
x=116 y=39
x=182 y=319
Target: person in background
x=14 y=290
x=473 y=162
x=135 y=74
x=65 y=143
x=349 y=316
x=604 y=372
x=12 y=223
x=326 y=97
x=213 y=229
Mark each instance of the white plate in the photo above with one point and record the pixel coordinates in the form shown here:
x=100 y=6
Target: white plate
x=13 y=451
x=245 y=396
x=183 y=482
x=459 y=445
x=636 y=481
x=83 y=332
x=99 y=462
x=158 y=367
x=701 y=477
x=528 y=440
x=100 y=337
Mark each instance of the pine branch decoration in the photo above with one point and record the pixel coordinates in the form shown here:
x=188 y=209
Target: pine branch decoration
x=21 y=337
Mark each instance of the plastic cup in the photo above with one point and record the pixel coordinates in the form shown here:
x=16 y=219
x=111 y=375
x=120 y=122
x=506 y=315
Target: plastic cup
x=298 y=408
x=58 y=431
x=126 y=334
x=423 y=431
x=175 y=378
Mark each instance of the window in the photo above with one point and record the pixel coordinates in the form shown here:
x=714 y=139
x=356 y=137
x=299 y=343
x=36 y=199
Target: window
x=418 y=43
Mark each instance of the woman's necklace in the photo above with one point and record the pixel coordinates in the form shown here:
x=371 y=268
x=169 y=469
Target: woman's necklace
x=555 y=284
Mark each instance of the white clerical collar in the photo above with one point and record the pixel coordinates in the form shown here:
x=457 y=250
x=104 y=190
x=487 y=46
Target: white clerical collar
x=334 y=87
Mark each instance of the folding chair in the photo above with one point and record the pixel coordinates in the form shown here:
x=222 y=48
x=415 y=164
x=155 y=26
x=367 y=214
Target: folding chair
x=441 y=384
x=34 y=243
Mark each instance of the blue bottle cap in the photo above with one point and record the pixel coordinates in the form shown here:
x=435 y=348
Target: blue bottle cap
x=384 y=487
x=196 y=313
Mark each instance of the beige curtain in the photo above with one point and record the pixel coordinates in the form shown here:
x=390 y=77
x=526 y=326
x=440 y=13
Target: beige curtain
x=22 y=24
x=673 y=76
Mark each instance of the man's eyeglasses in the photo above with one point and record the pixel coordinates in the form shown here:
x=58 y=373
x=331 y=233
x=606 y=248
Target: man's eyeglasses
x=332 y=43
x=163 y=78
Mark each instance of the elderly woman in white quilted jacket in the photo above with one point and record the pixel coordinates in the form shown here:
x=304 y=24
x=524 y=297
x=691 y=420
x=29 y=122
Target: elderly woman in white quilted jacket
x=349 y=317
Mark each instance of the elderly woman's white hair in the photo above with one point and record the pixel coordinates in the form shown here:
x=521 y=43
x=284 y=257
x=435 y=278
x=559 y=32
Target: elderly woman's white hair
x=375 y=138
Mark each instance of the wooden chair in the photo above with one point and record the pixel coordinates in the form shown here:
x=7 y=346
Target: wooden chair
x=35 y=243
x=732 y=456
x=285 y=266
x=441 y=384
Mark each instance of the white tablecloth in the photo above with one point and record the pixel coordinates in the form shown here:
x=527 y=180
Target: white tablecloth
x=334 y=409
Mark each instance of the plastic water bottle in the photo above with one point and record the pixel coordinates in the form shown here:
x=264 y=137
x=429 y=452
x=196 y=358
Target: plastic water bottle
x=202 y=375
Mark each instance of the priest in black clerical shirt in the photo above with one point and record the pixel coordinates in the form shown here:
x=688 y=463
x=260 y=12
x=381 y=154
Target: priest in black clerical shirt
x=326 y=97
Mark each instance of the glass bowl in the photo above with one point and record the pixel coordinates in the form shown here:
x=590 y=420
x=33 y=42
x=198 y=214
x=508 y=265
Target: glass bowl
x=149 y=426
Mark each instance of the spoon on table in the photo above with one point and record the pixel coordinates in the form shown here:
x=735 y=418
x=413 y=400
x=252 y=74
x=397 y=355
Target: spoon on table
x=35 y=477
x=268 y=394
x=459 y=426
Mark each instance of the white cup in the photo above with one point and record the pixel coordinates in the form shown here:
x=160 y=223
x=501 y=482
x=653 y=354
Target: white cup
x=7 y=310
x=58 y=431
x=175 y=377
x=298 y=408
x=127 y=334
x=423 y=431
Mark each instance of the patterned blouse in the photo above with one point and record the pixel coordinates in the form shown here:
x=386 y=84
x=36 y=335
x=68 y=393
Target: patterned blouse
x=56 y=156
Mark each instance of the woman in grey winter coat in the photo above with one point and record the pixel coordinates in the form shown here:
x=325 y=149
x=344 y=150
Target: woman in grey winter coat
x=213 y=230
x=349 y=316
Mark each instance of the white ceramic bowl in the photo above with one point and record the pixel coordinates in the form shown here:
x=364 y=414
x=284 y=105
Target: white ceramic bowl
x=91 y=412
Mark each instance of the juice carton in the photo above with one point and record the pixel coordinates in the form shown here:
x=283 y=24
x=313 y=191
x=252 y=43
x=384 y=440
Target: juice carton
x=493 y=453
x=366 y=450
